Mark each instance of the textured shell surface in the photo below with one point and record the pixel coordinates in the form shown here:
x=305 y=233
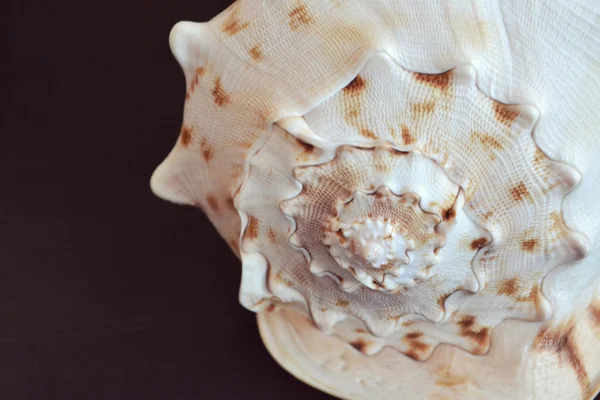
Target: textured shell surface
x=411 y=187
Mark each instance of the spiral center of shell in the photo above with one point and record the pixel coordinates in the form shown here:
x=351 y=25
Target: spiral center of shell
x=375 y=243
x=384 y=240
x=369 y=248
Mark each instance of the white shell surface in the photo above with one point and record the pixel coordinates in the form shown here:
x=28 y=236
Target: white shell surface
x=296 y=108
x=508 y=371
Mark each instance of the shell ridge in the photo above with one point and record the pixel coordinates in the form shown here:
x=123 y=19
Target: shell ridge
x=371 y=145
x=347 y=312
x=339 y=149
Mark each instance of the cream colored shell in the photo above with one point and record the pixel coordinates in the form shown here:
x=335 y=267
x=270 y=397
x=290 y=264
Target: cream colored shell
x=411 y=188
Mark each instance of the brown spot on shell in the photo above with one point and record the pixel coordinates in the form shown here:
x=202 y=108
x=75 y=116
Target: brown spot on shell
x=437 y=396
x=561 y=342
x=388 y=265
x=343 y=239
x=375 y=283
x=394 y=133
x=256 y=53
x=529 y=245
x=594 y=311
x=299 y=17
x=351 y=117
x=551 y=187
x=421 y=109
x=488 y=142
x=398 y=153
x=480 y=336
x=509 y=287
x=306 y=150
x=221 y=98
x=356 y=86
x=487 y=215
x=436 y=81
x=353 y=250
x=407 y=137
x=271 y=307
x=450 y=214
x=279 y=277
x=381 y=167
x=538 y=157
x=534 y=297
x=246 y=144
x=272 y=236
x=466 y=322
x=368 y=134
x=361 y=331
x=232 y=24
x=186 y=136
x=360 y=345
x=417 y=345
x=413 y=335
x=520 y=192
x=342 y=303
x=478 y=243
x=253 y=228
x=504 y=113
x=442 y=300
x=195 y=81
x=558 y=224
x=447 y=379
x=213 y=203
x=351 y=105
x=207 y=150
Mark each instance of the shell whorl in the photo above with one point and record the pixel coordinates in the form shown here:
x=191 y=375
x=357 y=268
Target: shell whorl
x=438 y=216
x=385 y=240
x=372 y=237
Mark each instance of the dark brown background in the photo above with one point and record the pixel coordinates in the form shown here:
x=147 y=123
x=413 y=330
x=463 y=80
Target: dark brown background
x=107 y=292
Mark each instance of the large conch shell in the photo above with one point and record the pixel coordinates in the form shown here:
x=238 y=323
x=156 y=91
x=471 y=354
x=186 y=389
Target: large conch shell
x=411 y=186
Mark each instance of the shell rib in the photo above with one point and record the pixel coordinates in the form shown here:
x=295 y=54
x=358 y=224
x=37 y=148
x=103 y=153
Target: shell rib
x=414 y=182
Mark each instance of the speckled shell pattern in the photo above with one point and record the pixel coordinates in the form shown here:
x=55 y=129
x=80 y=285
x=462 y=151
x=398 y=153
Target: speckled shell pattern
x=411 y=186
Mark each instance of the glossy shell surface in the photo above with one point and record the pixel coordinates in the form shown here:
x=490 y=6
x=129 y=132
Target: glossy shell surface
x=411 y=188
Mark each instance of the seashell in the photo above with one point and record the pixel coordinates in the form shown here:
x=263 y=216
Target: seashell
x=411 y=188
